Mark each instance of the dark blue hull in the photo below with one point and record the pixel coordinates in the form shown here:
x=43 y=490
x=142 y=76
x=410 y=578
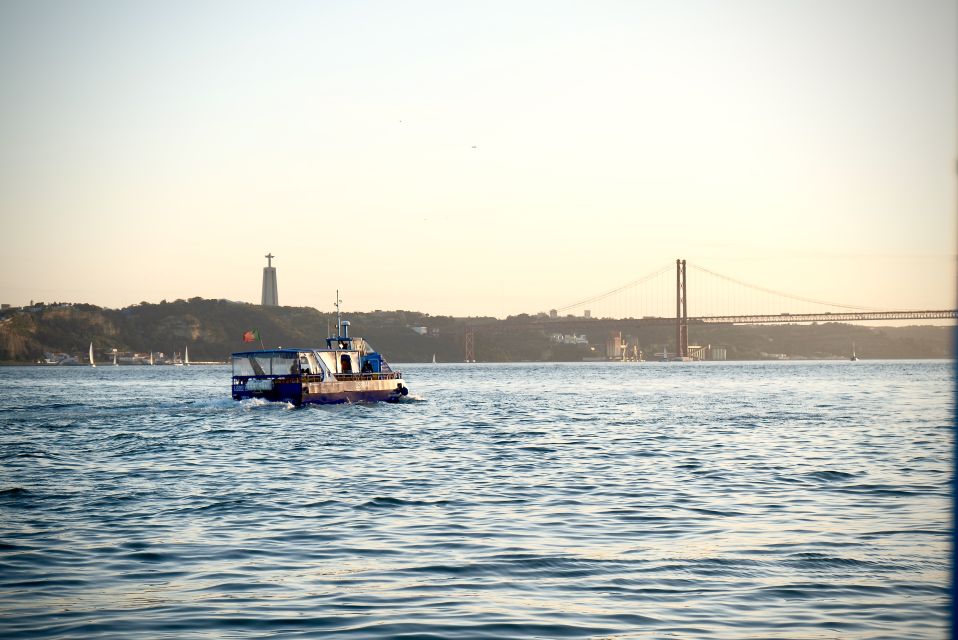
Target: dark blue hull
x=321 y=398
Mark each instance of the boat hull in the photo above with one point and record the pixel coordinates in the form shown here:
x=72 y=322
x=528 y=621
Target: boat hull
x=296 y=393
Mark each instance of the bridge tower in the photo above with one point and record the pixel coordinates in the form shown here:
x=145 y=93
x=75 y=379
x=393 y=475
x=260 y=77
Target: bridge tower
x=470 y=338
x=681 y=311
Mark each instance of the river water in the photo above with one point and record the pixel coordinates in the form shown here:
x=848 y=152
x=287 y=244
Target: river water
x=593 y=500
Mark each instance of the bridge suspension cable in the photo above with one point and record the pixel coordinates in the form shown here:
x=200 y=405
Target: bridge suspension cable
x=783 y=294
x=647 y=301
x=602 y=296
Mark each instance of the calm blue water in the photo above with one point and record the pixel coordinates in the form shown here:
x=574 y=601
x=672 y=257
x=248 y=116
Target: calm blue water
x=781 y=500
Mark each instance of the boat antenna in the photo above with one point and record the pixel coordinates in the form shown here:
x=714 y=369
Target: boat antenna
x=339 y=317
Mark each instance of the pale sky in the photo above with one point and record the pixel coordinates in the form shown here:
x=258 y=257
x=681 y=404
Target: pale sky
x=484 y=158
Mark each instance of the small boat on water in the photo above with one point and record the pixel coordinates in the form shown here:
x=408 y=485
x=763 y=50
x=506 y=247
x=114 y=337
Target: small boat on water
x=854 y=357
x=92 y=363
x=347 y=370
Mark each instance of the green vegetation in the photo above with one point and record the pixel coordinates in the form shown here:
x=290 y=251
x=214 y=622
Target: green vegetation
x=214 y=328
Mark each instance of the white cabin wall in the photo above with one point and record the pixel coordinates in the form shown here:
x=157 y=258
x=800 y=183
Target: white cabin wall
x=330 y=360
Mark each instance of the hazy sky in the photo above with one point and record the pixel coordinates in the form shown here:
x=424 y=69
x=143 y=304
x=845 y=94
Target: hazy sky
x=475 y=158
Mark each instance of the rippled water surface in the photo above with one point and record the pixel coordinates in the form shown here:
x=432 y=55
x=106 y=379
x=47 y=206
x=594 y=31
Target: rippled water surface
x=780 y=500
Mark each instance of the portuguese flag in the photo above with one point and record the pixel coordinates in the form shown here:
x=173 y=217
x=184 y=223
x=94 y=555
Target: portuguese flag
x=251 y=336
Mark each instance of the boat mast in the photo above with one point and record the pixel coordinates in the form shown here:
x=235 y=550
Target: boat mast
x=339 y=317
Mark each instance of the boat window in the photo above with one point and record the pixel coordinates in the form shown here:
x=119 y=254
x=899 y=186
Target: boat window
x=284 y=363
x=250 y=365
x=264 y=364
x=345 y=364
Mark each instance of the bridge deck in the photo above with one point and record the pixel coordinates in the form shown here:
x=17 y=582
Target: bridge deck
x=858 y=316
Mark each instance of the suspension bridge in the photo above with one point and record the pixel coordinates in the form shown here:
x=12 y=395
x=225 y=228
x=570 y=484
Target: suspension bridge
x=661 y=298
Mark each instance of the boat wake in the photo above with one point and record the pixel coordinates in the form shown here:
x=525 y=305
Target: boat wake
x=250 y=404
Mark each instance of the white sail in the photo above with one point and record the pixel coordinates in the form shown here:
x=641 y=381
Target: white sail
x=186 y=356
x=151 y=358
x=92 y=364
x=434 y=358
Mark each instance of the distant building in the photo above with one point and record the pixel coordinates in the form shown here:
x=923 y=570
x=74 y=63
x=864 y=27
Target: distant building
x=553 y=314
x=420 y=330
x=4 y=307
x=270 y=294
x=615 y=347
x=587 y=313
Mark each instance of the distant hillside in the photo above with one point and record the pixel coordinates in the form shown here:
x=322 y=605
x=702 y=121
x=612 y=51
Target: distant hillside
x=213 y=329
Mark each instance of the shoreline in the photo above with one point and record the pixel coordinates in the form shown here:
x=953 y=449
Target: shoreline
x=540 y=362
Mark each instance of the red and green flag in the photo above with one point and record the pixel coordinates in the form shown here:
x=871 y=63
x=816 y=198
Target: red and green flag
x=251 y=336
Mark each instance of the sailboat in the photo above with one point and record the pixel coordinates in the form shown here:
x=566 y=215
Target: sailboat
x=151 y=358
x=114 y=358
x=434 y=358
x=186 y=356
x=854 y=357
x=92 y=364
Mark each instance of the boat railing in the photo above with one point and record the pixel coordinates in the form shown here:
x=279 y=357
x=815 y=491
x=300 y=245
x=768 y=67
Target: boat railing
x=385 y=375
x=277 y=379
x=341 y=377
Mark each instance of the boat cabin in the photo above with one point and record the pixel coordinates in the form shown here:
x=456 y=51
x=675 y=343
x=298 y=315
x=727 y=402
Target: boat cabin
x=326 y=364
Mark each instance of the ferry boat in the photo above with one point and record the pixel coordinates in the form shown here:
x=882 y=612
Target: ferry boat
x=347 y=370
